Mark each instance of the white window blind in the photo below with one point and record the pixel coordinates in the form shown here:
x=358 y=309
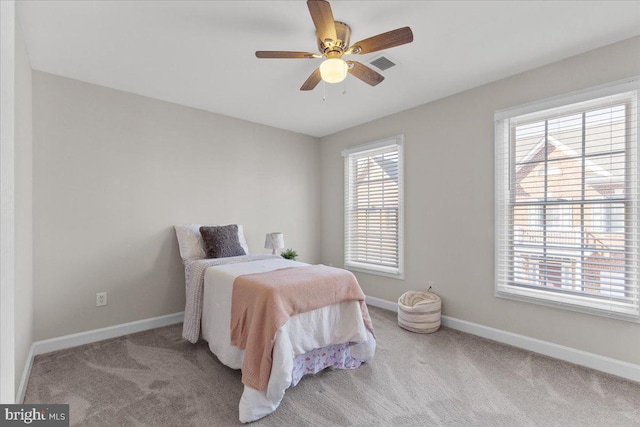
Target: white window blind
x=373 y=207
x=567 y=201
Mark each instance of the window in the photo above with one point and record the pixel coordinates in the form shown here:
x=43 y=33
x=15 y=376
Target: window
x=373 y=207
x=608 y=218
x=535 y=216
x=559 y=217
x=567 y=201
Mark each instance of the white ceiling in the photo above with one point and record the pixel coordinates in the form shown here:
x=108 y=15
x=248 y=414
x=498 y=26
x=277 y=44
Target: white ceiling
x=201 y=54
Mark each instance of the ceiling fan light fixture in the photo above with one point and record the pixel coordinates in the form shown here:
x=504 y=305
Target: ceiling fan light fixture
x=334 y=70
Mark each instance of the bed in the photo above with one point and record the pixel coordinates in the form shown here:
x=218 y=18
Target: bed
x=337 y=336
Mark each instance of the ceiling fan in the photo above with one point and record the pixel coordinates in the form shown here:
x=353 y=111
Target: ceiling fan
x=333 y=43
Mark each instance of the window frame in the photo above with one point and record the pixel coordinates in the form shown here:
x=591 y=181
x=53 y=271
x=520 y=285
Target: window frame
x=347 y=153
x=505 y=230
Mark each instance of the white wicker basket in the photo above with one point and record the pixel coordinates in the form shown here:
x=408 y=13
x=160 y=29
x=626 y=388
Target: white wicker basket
x=419 y=311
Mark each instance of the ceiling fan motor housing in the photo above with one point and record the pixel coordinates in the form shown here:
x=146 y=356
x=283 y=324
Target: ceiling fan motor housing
x=343 y=33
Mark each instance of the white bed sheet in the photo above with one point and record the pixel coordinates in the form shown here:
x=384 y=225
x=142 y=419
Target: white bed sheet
x=334 y=324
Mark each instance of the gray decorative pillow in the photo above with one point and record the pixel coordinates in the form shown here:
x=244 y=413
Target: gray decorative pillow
x=221 y=241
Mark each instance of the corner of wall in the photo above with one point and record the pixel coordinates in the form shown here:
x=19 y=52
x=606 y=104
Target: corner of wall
x=23 y=200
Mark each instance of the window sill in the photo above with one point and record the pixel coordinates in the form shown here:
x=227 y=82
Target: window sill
x=613 y=310
x=378 y=271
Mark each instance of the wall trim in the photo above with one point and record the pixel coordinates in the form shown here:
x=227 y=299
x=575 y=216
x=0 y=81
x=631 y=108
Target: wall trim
x=26 y=372
x=590 y=360
x=382 y=303
x=88 y=337
x=605 y=364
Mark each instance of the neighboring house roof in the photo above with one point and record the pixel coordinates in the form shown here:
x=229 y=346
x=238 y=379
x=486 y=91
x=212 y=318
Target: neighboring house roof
x=538 y=151
x=600 y=178
x=390 y=167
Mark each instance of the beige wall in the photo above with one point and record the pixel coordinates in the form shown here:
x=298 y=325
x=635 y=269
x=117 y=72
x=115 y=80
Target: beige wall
x=113 y=172
x=23 y=207
x=449 y=221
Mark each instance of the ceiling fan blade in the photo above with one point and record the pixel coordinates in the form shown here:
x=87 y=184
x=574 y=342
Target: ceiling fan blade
x=365 y=73
x=383 y=41
x=283 y=54
x=323 y=19
x=312 y=81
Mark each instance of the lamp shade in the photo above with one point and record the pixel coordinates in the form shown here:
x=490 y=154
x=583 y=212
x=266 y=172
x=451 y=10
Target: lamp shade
x=334 y=70
x=274 y=241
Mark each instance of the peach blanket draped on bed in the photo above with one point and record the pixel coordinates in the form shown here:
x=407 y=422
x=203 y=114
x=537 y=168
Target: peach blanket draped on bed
x=261 y=303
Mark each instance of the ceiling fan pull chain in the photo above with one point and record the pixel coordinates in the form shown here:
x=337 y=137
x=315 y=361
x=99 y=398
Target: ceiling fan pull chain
x=344 y=87
x=324 y=91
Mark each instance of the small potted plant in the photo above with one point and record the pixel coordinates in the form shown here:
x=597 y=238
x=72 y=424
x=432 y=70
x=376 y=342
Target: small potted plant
x=289 y=254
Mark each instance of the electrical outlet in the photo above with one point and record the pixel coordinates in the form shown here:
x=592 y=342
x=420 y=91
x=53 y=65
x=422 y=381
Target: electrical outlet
x=101 y=299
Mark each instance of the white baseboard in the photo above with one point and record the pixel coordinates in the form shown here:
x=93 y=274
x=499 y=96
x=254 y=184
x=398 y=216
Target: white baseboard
x=88 y=337
x=382 y=303
x=590 y=360
x=22 y=389
x=601 y=363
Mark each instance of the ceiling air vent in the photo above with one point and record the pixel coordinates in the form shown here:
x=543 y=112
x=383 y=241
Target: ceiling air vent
x=382 y=63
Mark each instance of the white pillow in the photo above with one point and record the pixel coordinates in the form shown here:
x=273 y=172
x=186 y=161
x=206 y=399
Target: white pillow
x=191 y=245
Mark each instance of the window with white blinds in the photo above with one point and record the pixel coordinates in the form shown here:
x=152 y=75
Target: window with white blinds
x=567 y=201
x=373 y=207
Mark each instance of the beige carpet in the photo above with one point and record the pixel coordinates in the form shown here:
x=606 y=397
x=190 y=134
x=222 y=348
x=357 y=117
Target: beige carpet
x=448 y=378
